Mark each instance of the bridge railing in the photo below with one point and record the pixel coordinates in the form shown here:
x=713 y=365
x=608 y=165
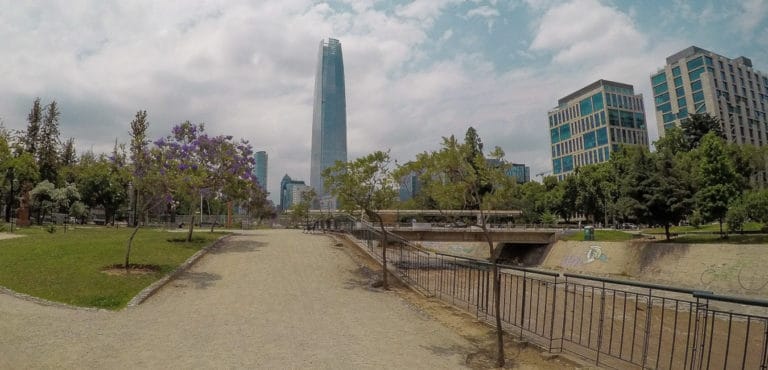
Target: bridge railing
x=612 y=323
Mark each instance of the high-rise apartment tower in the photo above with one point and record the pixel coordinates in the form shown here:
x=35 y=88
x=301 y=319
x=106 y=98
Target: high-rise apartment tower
x=589 y=124
x=329 y=120
x=699 y=81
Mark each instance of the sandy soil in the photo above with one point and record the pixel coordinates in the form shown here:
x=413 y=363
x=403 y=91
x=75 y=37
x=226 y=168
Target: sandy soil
x=271 y=299
x=4 y=235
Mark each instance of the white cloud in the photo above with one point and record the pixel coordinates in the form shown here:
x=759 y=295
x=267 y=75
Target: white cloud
x=752 y=13
x=581 y=30
x=483 y=11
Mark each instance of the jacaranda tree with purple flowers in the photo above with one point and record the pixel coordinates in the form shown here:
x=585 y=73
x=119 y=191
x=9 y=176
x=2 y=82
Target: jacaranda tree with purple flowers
x=196 y=165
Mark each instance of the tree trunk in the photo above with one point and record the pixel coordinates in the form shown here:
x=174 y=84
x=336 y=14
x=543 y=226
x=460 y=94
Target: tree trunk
x=721 y=228
x=128 y=248
x=191 y=226
x=500 y=360
x=385 y=283
x=666 y=231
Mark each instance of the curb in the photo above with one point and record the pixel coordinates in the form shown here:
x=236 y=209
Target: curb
x=154 y=287
x=45 y=302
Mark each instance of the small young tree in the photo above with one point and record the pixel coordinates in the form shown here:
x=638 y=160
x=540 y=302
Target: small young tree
x=460 y=176
x=365 y=184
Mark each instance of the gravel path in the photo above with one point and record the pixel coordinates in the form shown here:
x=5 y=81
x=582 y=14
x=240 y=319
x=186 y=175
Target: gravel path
x=269 y=299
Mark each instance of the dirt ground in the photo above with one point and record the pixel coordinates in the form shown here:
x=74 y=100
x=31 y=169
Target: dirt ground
x=268 y=299
x=481 y=335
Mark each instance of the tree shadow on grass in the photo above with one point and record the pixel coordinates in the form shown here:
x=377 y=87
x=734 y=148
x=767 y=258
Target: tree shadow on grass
x=199 y=280
x=238 y=246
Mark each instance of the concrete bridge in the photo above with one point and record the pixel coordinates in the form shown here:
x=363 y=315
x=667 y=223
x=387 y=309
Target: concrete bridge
x=522 y=236
x=519 y=246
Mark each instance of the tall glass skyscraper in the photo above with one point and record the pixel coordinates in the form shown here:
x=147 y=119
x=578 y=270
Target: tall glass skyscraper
x=260 y=168
x=329 y=120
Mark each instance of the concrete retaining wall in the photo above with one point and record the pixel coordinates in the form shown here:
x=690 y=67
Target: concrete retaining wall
x=721 y=268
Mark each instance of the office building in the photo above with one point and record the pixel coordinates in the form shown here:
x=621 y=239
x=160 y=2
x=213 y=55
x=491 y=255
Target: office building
x=589 y=124
x=287 y=192
x=520 y=172
x=695 y=80
x=409 y=186
x=260 y=168
x=329 y=120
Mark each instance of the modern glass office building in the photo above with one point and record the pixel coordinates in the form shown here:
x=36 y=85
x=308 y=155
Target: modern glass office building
x=287 y=192
x=260 y=168
x=587 y=125
x=695 y=80
x=520 y=172
x=329 y=120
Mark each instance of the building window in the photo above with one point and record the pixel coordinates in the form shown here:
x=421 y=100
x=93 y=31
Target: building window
x=659 y=78
x=696 y=85
x=681 y=102
x=663 y=98
x=676 y=71
x=661 y=88
x=694 y=75
x=695 y=63
x=678 y=81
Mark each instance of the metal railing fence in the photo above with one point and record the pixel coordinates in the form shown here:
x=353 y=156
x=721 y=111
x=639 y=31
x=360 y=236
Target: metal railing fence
x=612 y=323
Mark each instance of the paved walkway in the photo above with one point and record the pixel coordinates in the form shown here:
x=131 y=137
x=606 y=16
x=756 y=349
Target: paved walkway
x=270 y=299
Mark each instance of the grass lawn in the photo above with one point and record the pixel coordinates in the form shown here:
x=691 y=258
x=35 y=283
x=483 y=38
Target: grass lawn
x=66 y=266
x=709 y=228
x=603 y=236
x=715 y=239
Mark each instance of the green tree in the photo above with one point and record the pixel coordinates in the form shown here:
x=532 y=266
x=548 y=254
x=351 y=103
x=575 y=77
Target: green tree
x=102 y=184
x=368 y=185
x=670 y=198
x=756 y=204
x=460 y=176
x=300 y=209
x=42 y=196
x=699 y=125
x=718 y=181
x=736 y=216
x=49 y=142
x=31 y=138
x=68 y=161
x=20 y=175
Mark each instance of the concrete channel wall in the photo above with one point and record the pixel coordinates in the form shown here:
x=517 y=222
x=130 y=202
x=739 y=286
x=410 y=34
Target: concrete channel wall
x=722 y=268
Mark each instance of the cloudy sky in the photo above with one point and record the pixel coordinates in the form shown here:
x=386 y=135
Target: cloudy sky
x=415 y=70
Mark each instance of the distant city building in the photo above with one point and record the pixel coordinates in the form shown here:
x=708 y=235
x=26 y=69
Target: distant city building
x=260 y=168
x=409 y=186
x=297 y=191
x=695 y=80
x=589 y=124
x=329 y=120
x=520 y=172
x=287 y=186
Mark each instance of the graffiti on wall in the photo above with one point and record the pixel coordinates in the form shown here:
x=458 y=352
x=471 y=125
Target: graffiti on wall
x=748 y=277
x=594 y=253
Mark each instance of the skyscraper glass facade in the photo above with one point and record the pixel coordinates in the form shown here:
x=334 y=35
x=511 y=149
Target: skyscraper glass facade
x=594 y=121
x=287 y=191
x=329 y=120
x=260 y=168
